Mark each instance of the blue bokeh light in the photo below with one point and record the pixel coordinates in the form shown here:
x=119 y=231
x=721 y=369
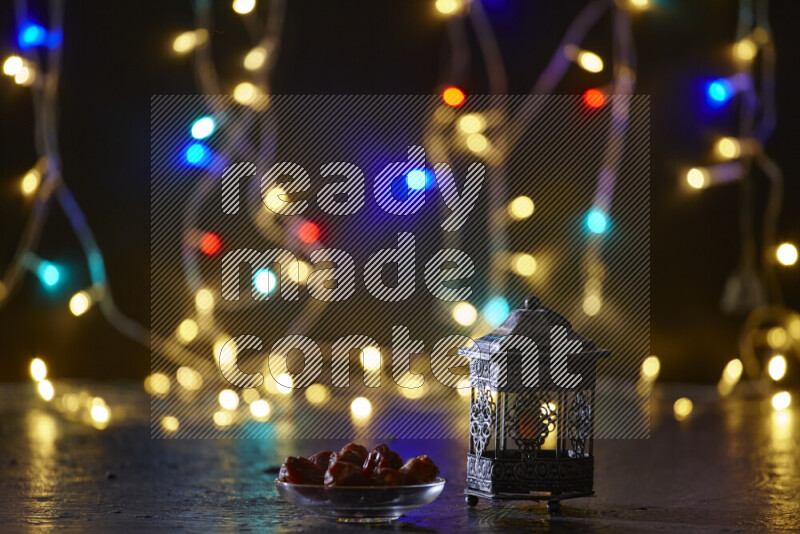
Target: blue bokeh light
x=496 y=311
x=417 y=179
x=54 y=38
x=265 y=281
x=597 y=221
x=30 y=35
x=197 y=154
x=48 y=273
x=719 y=92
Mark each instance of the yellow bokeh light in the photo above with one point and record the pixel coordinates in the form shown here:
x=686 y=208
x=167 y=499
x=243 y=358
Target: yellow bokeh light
x=30 y=182
x=298 y=271
x=777 y=367
x=477 y=143
x=260 y=409
x=361 y=408
x=80 y=303
x=449 y=7
x=244 y=7
x=683 y=408
x=317 y=394
x=46 y=390
x=189 y=378
x=187 y=41
x=520 y=208
x=187 y=330
x=228 y=399
x=223 y=418
x=786 y=254
x=745 y=50
x=224 y=349
x=465 y=313
x=25 y=76
x=589 y=61
x=204 y=301
x=697 y=178
x=411 y=386
x=371 y=358
x=523 y=264
x=794 y=327
x=284 y=383
x=38 y=369
x=273 y=200
x=471 y=123
x=465 y=387
x=157 y=384
x=729 y=148
x=733 y=371
x=592 y=305
x=639 y=4
x=782 y=400
x=250 y=395
x=12 y=65
x=245 y=92
x=651 y=366
x=170 y=423
x=776 y=337
x=255 y=58
x=100 y=413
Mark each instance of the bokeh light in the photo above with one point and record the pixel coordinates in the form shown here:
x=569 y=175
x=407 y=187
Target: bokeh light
x=80 y=303
x=260 y=409
x=210 y=244
x=228 y=399
x=465 y=313
x=786 y=254
x=203 y=127
x=308 y=232
x=651 y=366
x=472 y=123
x=777 y=367
x=30 y=182
x=589 y=61
x=521 y=208
x=189 y=378
x=453 y=96
x=46 y=390
x=781 y=400
x=523 y=264
x=265 y=281
x=496 y=311
x=594 y=98
x=244 y=7
x=683 y=408
x=317 y=394
x=12 y=65
x=38 y=369
x=477 y=143
x=255 y=58
x=596 y=221
x=361 y=408
x=204 y=301
x=187 y=331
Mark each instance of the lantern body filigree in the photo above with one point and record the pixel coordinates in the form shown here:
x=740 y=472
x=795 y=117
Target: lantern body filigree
x=532 y=409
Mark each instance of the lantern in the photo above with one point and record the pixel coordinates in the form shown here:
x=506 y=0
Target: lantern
x=532 y=410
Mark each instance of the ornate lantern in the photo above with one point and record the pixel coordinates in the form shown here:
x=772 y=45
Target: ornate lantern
x=532 y=416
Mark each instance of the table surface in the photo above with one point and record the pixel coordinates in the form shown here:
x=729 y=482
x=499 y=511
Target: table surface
x=734 y=465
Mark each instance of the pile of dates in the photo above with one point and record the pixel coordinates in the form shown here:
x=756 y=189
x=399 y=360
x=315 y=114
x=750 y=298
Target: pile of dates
x=355 y=466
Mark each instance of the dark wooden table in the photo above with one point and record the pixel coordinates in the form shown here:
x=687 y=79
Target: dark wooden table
x=733 y=466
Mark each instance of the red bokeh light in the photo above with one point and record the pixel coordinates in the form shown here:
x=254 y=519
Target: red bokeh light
x=594 y=98
x=308 y=232
x=453 y=96
x=210 y=244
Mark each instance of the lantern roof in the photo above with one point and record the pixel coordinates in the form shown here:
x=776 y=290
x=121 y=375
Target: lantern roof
x=534 y=333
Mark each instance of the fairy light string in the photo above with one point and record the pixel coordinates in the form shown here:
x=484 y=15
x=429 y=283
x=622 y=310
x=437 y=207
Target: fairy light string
x=753 y=45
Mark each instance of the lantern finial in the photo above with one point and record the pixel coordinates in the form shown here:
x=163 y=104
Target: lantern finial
x=532 y=303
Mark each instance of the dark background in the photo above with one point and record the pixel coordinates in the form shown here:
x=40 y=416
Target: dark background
x=118 y=54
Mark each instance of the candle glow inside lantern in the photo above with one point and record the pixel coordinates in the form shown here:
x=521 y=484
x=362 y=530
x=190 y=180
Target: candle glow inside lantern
x=532 y=410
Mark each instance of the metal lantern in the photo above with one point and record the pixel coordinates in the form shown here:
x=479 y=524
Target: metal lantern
x=532 y=410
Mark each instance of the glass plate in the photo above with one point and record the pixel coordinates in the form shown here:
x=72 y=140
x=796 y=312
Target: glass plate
x=360 y=503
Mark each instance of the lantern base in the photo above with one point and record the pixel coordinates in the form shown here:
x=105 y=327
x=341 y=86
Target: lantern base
x=553 y=500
